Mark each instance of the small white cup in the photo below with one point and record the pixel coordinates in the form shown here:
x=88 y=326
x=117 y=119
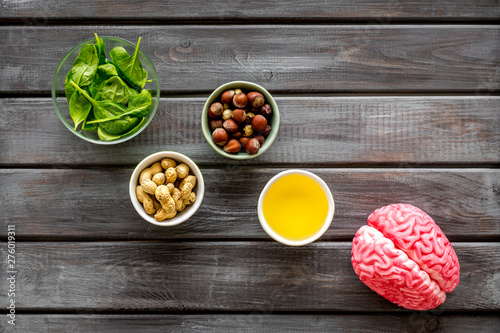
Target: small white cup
x=326 y=222
x=199 y=189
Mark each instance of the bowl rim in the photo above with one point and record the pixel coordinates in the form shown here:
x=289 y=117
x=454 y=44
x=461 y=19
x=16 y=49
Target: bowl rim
x=275 y=119
x=154 y=107
x=326 y=223
x=157 y=157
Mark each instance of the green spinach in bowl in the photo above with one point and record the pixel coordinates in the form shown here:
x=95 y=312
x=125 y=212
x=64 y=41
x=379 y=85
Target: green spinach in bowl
x=107 y=96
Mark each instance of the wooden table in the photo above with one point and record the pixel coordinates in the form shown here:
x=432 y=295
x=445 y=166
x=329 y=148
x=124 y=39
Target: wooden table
x=387 y=101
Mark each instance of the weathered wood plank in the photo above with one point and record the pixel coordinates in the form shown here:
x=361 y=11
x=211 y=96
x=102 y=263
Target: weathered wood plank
x=382 y=10
x=313 y=131
x=416 y=322
x=242 y=276
x=95 y=205
x=291 y=58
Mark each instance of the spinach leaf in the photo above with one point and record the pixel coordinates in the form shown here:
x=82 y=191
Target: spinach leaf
x=98 y=96
x=104 y=72
x=114 y=89
x=118 y=53
x=105 y=136
x=140 y=103
x=111 y=116
x=129 y=67
x=83 y=70
x=120 y=125
x=131 y=91
x=139 y=106
x=79 y=108
x=68 y=88
x=101 y=50
x=91 y=127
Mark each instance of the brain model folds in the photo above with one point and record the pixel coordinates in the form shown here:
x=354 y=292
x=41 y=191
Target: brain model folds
x=405 y=257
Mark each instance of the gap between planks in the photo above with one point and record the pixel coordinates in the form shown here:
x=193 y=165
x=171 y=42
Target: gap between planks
x=287 y=95
x=269 y=21
x=451 y=167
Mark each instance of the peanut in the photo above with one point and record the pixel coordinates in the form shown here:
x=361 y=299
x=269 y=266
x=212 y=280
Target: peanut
x=191 y=199
x=146 y=175
x=179 y=203
x=170 y=187
x=186 y=186
x=182 y=171
x=159 y=178
x=167 y=203
x=145 y=199
x=157 y=205
x=168 y=163
x=171 y=175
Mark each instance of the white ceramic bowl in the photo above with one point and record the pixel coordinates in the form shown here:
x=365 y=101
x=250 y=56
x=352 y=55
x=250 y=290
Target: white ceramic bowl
x=326 y=222
x=199 y=189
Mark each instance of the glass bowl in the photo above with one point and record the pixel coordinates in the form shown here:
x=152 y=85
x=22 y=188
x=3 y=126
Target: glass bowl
x=248 y=86
x=61 y=103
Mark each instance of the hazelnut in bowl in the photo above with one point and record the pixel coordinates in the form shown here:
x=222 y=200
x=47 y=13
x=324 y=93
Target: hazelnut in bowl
x=240 y=120
x=166 y=188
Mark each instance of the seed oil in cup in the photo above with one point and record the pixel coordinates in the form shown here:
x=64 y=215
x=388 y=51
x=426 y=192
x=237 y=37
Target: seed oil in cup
x=296 y=207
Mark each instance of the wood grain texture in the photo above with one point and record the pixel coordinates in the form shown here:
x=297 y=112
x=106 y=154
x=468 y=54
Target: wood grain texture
x=240 y=276
x=88 y=262
x=317 y=131
x=415 y=322
x=95 y=205
x=289 y=58
x=317 y=10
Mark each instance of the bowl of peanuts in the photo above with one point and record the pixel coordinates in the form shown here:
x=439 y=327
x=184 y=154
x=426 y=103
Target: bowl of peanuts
x=166 y=188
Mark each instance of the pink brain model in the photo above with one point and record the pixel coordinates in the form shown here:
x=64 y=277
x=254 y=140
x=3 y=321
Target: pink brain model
x=405 y=257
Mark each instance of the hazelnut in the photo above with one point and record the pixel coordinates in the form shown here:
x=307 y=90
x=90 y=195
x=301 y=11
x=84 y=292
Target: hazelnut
x=215 y=124
x=237 y=91
x=244 y=140
x=232 y=147
x=265 y=131
x=227 y=114
x=240 y=100
x=230 y=125
x=255 y=99
x=220 y=136
x=225 y=106
x=259 y=122
x=237 y=135
x=227 y=96
x=261 y=139
x=215 y=110
x=239 y=115
x=266 y=110
x=249 y=117
x=254 y=110
x=252 y=147
x=247 y=130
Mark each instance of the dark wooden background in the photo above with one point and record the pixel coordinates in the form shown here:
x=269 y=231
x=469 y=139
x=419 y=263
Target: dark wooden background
x=388 y=101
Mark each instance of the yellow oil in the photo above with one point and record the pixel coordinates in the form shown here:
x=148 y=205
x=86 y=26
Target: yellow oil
x=295 y=207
